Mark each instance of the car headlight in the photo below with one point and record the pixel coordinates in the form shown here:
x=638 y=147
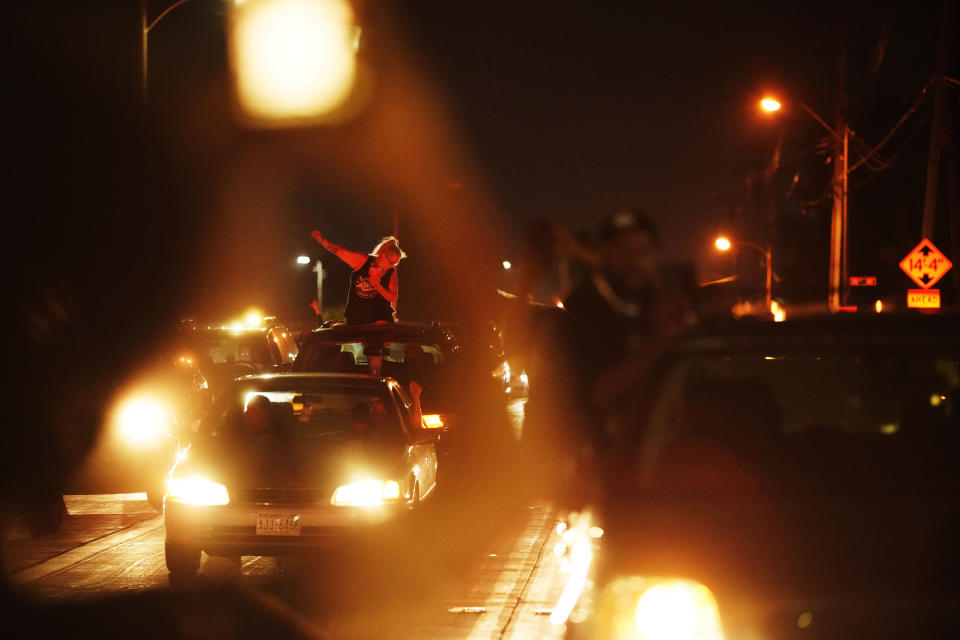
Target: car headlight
x=366 y=493
x=197 y=490
x=143 y=421
x=657 y=609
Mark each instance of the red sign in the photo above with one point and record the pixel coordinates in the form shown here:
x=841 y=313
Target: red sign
x=923 y=298
x=925 y=264
x=863 y=281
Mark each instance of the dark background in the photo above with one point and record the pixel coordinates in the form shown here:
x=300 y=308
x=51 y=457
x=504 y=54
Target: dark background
x=568 y=109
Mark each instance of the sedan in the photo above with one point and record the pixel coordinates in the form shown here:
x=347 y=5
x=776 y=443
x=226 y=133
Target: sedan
x=287 y=463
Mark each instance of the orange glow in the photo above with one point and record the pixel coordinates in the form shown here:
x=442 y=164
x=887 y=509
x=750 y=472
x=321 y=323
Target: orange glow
x=677 y=610
x=292 y=60
x=923 y=298
x=559 y=303
x=143 y=420
x=366 y=493
x=779 y=313
x=507 y=265
x=722 y=244
x=432 y=421
x=197 y=490
x=253 y=318
x=770 y=105
x=878 y=306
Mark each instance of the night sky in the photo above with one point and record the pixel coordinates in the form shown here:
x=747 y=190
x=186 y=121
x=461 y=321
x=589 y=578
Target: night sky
x=568 y=110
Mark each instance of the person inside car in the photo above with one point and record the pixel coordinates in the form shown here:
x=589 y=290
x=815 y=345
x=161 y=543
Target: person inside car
x=257 y=417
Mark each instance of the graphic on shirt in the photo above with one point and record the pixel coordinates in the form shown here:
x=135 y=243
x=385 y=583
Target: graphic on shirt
x=364 y=288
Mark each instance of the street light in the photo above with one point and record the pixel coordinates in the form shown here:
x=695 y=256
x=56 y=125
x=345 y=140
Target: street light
x=145 y=27
x=838 y=220
x=507 y=265
x=723 y=243
x=770 y=105
x=317 y=269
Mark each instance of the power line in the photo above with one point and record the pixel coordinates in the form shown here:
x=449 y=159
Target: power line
x=867 y=154
x=916 y=103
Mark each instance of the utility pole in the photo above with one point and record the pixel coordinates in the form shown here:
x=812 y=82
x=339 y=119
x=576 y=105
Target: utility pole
x=838 y=220
x=144 y=57
x=938 y=133
x=771 y=173
x=318 y=269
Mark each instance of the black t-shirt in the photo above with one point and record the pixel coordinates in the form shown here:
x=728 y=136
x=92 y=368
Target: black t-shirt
x=365 y=305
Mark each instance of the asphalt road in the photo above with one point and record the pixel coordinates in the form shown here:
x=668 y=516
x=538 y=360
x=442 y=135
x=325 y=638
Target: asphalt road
x=493 y=575
x=113 y=544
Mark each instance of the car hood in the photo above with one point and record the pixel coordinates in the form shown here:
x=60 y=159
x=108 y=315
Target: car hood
x=291 y=465
x=854 y=561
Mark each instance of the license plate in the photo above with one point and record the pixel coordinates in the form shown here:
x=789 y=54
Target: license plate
x=278 y=524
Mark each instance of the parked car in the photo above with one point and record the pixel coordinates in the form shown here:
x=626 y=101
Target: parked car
x=781 y=480
x=226 y=351
x=294 y=462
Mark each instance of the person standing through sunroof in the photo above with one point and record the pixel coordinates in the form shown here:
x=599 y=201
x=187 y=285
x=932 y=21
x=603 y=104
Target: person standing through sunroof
x=373 y=292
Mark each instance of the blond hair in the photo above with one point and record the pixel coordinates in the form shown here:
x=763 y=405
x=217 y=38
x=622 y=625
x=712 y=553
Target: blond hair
x=388 y=242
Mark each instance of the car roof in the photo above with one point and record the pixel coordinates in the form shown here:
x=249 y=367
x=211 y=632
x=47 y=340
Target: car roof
x=355 y=380
x=822 y=330
x=401 y=331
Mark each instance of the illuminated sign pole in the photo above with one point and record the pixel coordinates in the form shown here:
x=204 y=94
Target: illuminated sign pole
x=925 y=265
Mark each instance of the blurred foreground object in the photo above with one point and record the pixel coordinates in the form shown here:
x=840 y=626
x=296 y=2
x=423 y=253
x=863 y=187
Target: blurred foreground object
x=784 y=479
x=293 y=62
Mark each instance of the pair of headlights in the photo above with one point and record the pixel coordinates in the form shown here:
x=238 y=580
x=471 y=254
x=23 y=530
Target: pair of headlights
x=364 y=493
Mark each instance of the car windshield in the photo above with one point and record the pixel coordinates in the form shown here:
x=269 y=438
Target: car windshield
x=251 y=412
x=350 y=357
x=802 y=421
x=228 y=349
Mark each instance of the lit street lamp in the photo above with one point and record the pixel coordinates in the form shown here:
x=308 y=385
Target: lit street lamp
x=725 y=244
x=318 y=269
x=770 y=105
x=507 y=265
x=838 y=220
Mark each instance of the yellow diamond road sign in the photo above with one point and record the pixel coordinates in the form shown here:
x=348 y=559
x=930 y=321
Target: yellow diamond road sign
x=925 y=264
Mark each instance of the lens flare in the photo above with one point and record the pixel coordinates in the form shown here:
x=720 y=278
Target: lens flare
x=678 y=610
x=143 y=421
x=292 y=60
